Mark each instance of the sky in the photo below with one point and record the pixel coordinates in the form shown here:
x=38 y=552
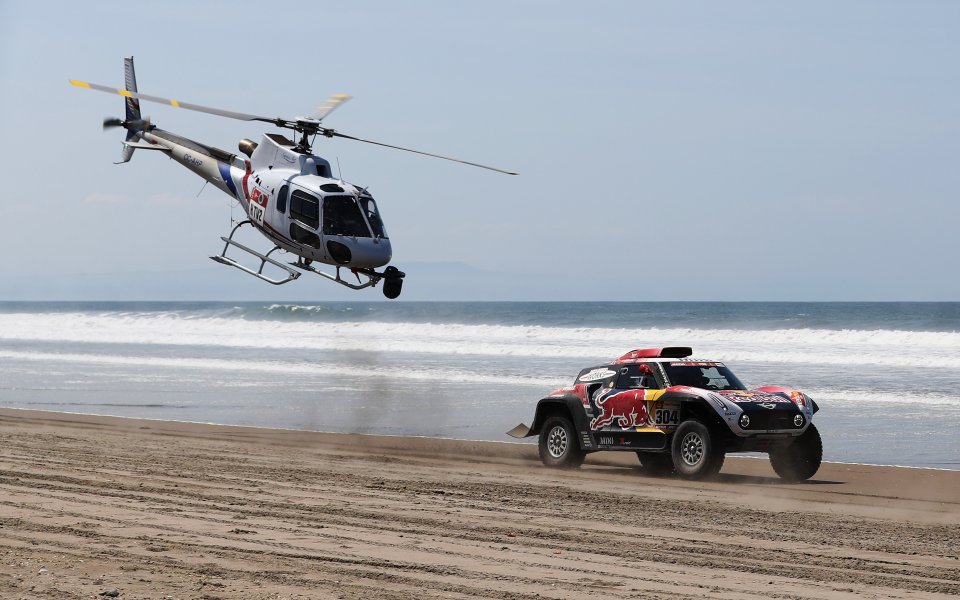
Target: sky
x=665 y=150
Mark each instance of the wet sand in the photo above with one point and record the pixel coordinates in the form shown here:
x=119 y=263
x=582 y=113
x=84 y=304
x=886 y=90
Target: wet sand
x=155 y=509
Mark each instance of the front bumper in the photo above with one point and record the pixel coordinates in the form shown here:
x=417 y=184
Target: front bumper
x=764 y=419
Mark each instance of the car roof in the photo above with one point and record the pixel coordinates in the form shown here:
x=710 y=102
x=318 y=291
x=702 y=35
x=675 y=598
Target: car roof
x=646 y=353
x=666 y=359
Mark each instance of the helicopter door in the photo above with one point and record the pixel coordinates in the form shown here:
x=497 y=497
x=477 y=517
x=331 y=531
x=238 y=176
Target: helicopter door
x=279 y=215
x=304 y=218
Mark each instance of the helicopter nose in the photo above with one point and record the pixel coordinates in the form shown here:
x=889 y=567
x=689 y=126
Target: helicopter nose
x=368 y=253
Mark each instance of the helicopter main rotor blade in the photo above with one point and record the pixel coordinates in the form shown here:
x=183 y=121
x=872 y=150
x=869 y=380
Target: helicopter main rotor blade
x=309 y=126
x=331 y=104
x=333 y=133
x=176 y=103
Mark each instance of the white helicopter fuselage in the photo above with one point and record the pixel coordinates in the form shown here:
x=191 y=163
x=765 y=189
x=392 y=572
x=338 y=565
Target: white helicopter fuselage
x=290 y=197
x=287 y=192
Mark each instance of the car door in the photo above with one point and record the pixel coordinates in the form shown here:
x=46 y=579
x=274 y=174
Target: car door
x=664 y=415
x=621 y=406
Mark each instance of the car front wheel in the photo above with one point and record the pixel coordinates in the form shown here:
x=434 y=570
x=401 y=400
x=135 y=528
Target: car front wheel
x=558 y=444
x=695 y=456
x=801 y=459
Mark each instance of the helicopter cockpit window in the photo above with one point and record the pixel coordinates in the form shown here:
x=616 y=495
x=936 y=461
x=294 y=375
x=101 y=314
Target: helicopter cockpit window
x=305 y=208
x=282 y=200
x=342 y=216
x=373 y=216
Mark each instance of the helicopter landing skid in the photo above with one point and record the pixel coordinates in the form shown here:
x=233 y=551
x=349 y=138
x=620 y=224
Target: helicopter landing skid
x=373 y=278
x=392 y=277
x=223 y=259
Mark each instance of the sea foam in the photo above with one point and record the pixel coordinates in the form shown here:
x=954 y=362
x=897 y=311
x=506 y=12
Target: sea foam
x=795 y=346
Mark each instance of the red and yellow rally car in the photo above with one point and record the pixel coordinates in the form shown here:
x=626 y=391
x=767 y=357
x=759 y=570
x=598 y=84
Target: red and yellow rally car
x=678 y=414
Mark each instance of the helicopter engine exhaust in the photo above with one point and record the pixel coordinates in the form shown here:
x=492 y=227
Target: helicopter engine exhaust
x=247 y=147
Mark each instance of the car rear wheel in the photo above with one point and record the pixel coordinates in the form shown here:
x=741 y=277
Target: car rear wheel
x=695 y=455
x=655 y=463
x=558 y=444
x=800 y=460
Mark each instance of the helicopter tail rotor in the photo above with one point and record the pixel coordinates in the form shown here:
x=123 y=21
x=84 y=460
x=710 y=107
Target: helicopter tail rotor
x=133 y=134
x=134 y=123
x=133 y=127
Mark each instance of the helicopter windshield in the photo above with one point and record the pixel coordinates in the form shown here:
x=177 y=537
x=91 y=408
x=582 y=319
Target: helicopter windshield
x=342 y=216
x=373 y=216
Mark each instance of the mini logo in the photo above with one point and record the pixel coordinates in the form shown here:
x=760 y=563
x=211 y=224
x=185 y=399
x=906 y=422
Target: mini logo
x=768 y=405
x=596 y=374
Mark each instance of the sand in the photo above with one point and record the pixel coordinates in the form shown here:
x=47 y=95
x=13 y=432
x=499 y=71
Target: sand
x=155 y=509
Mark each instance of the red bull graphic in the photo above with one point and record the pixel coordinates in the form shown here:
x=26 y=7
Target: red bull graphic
x=628 y=408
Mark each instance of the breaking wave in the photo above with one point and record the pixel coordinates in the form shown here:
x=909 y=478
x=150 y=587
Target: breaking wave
x=881 y=347
x=433 y=375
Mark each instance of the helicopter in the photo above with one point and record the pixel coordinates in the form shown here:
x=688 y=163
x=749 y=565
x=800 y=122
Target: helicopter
x=288 y=193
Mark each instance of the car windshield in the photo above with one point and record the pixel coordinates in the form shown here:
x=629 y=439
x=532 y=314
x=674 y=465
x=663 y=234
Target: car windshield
x=704 y=375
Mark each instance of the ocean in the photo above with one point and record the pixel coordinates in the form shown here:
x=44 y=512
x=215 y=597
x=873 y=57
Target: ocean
x=885 y=375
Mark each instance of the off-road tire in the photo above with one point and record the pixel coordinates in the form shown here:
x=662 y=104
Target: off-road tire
x=657 y=464
x=559 y=447
x=800 y=460
x=694 y=452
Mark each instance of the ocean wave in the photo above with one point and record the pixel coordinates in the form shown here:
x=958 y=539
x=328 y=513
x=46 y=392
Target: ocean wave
x=795 y=346
x=827 y=397
x=432 y=374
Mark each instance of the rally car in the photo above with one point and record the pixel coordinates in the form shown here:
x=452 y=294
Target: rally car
x=679 y=414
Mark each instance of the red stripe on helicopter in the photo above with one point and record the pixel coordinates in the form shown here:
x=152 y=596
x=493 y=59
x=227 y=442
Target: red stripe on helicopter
x=246 y=176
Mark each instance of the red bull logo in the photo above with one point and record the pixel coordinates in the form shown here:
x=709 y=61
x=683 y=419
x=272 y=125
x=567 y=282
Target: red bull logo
x=628 y=408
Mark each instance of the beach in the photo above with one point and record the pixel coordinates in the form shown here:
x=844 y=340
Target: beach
x=161 y=509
